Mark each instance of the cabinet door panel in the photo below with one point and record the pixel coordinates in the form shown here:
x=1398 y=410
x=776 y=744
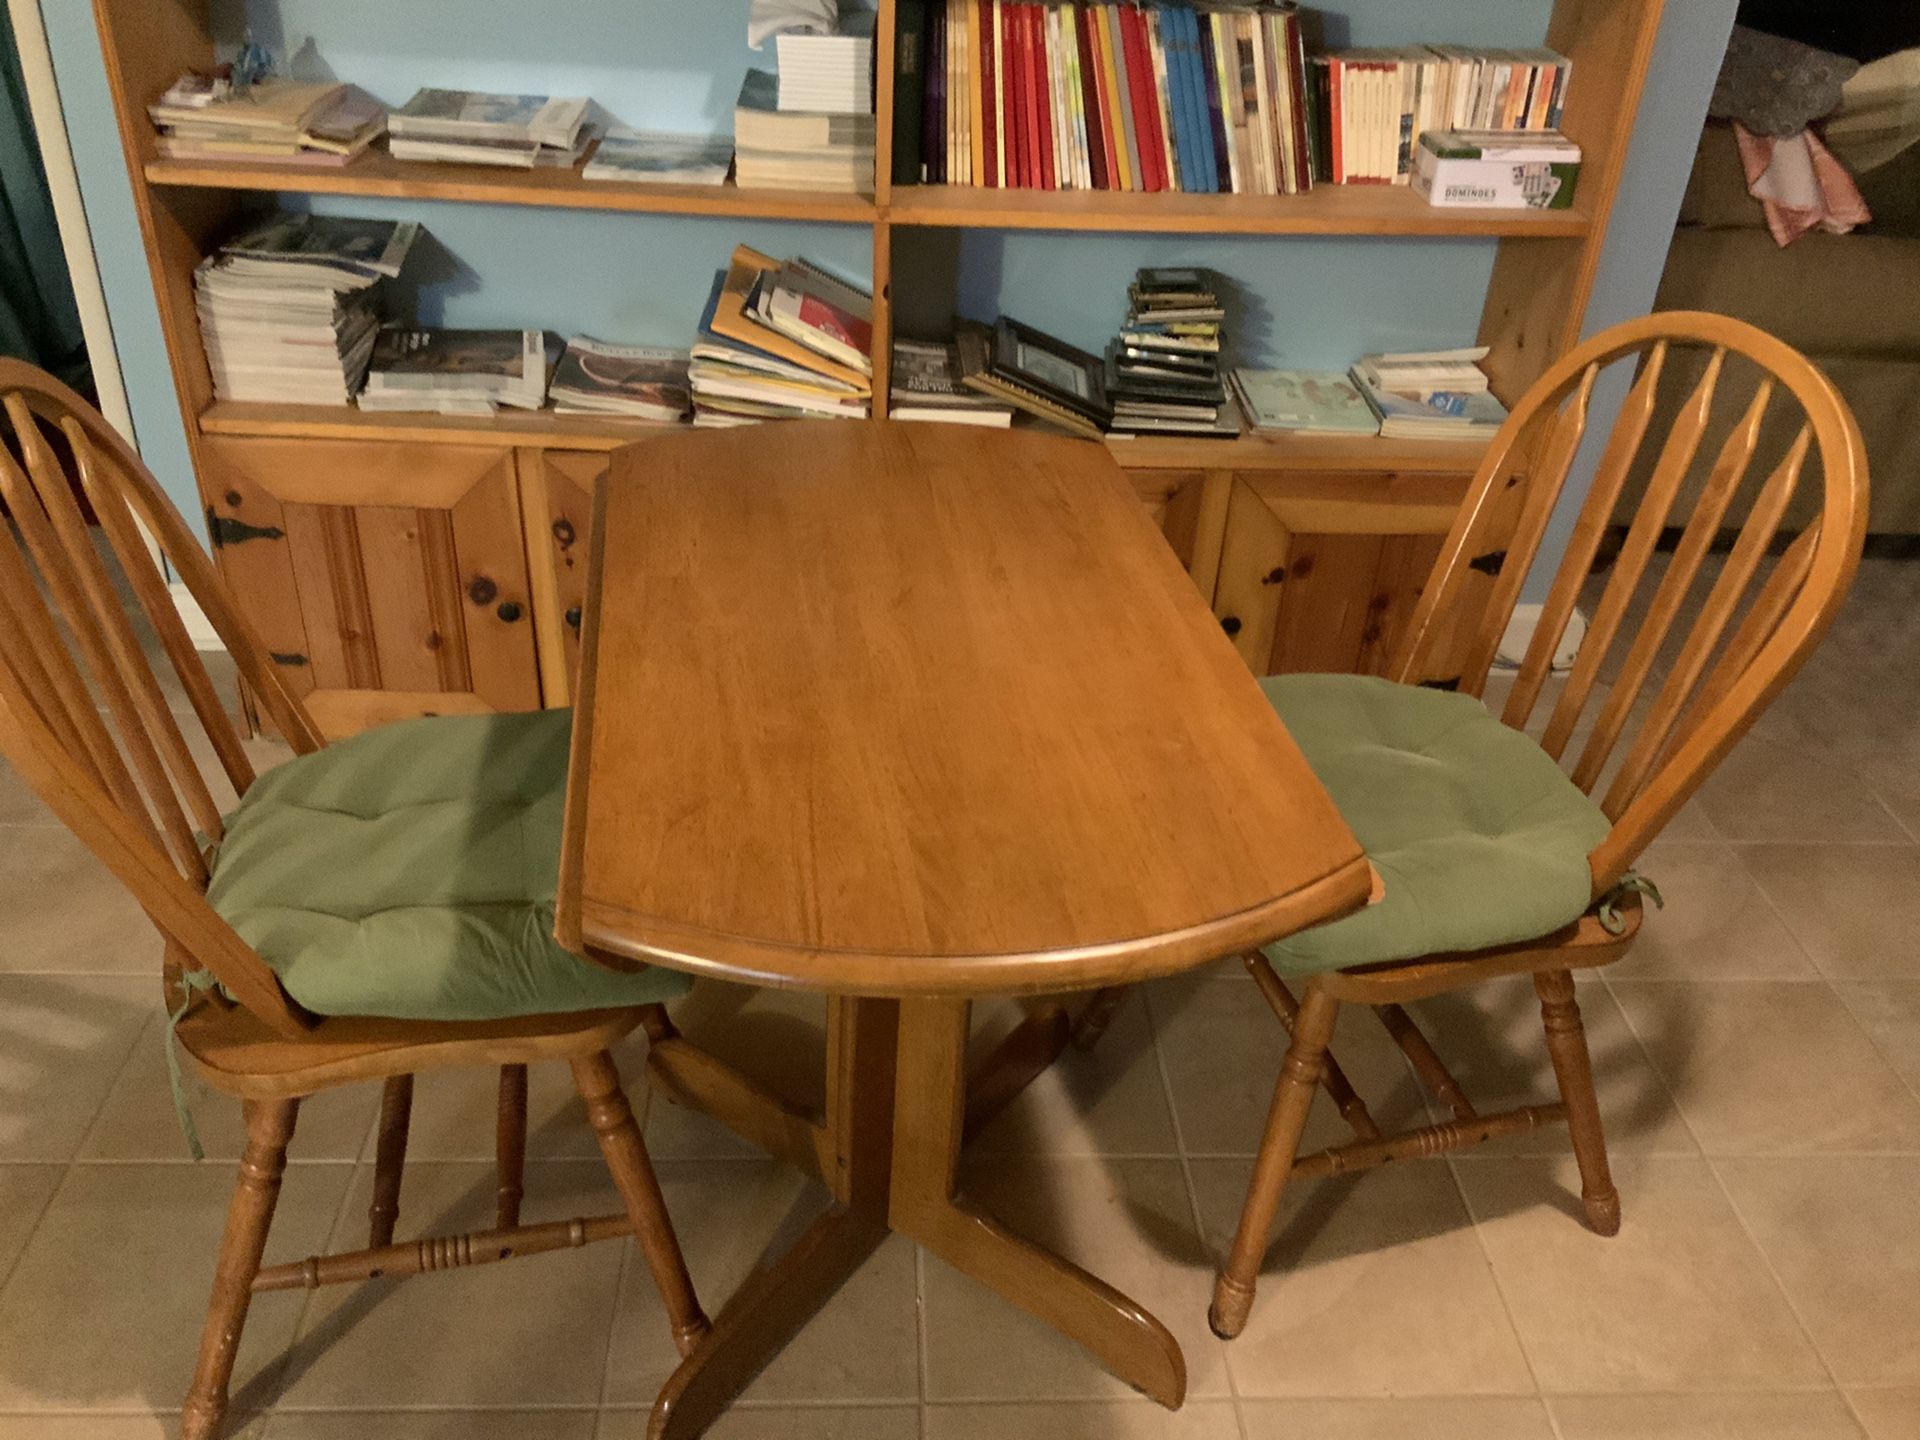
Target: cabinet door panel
x=557 y=488
x=404 y=564
x=1326 y=602
x=1190 y=507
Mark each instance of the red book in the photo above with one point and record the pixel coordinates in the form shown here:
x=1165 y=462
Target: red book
x=1043 y=101
x=990 y=174
x=1090 y=100
x=1014 y=115
x=1337 y=116
x=1030 y=59
x=1142 y=85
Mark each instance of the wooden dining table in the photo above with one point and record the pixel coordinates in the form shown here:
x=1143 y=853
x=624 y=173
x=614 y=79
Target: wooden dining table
x=912 y=715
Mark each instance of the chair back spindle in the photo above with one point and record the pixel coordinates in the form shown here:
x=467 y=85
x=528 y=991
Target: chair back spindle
x=84 y=715
x=1645 y=713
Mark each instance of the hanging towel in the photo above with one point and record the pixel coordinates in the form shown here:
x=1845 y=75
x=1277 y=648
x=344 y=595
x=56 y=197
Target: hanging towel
x=1799 y=184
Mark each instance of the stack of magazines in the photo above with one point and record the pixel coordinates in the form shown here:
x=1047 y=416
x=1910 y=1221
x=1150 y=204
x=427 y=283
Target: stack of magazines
x=776 y=148
x=289 y=310
x=202 y=117
x=1163 y=370
x=464 y=126
x=781 y=340
x=458 y=372
x=595 y=378
x=1430 y=395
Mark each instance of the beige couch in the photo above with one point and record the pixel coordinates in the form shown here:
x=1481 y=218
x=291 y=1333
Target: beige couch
x=1850 y=302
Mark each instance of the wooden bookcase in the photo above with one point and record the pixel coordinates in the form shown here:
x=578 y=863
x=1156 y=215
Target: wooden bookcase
x=401 y=564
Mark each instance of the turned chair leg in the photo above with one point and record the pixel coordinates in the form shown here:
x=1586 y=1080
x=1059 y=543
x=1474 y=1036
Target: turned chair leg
x=1573 y=1068
x=510 y=1145
x=1286 y=1119
x=390 y=1158
x=626 y=1155
x=269 y=1128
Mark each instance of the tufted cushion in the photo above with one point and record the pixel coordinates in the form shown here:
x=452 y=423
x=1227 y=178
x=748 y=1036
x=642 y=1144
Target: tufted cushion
x=1478 y=836
x=409 y=872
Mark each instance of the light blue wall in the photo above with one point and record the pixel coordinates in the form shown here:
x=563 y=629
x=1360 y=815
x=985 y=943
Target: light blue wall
x=676 y=63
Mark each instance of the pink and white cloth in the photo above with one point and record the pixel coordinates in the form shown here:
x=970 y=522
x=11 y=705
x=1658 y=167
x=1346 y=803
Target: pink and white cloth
x=1799 y=184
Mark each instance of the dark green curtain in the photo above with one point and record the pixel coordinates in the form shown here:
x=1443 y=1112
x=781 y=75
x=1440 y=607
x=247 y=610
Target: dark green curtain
x=38 y=321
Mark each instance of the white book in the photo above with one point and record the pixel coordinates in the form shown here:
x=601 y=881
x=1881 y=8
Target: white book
x=456 y=114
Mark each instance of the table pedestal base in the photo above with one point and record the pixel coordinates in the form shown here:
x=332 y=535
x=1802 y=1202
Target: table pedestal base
x=888 y=1149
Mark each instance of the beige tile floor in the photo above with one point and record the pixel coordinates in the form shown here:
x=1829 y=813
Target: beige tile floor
x=1759 y=1062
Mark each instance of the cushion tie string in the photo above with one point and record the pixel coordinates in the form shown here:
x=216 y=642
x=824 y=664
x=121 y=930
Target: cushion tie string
x=192 y=982
x=1631 y=883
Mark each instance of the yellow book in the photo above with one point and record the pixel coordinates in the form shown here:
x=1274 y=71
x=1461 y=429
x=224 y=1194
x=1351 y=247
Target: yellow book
x=1109 y=40
x=976 y=121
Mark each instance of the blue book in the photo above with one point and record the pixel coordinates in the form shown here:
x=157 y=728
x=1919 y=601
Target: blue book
x=1179 y=112
x=1204 y=154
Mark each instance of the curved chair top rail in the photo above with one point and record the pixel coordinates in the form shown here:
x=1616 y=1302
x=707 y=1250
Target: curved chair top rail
x=1653 y=718
x=83 y=714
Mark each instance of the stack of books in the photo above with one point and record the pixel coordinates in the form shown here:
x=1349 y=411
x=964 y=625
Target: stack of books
x=1163 y=370
x=781 y=340
x=289 y=310
x=1136 y=95
x=829 y=74
x=1303 y=402
x=1430 y=395
x=926 y=385
x=202 y=117
x=595 y=378
x=458 y=372
x=1097 y=95
x=1374 y=105
x=657 y=158
x=780 y=149
x=467 y=127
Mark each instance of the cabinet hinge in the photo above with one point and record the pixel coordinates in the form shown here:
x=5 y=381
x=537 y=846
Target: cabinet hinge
x=1489 y=563
x=226 y=530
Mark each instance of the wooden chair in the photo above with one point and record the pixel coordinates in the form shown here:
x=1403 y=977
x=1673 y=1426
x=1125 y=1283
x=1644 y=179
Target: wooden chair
x=1639 y=758
x=122 y=777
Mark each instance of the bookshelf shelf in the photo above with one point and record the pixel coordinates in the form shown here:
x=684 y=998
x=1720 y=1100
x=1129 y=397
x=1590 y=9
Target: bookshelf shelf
x=1327 y=210
x=1329 y=454
x=378 y=173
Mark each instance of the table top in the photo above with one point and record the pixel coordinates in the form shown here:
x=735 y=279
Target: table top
x=898 y=709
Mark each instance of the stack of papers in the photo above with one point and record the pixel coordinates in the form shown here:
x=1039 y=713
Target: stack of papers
x=465 y=126
x=1304 y=402
x=776 y=148
x=289 y=311
x=458 y=372
x=1430 y=395
x=828 y=74
x=655 y=157
x=595 y=378
x=200 y=118
x=1163 y=369
x=927 y=386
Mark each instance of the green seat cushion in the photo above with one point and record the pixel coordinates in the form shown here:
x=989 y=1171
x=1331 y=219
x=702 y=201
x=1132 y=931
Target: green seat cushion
x=1479 y=837
x=409 y=872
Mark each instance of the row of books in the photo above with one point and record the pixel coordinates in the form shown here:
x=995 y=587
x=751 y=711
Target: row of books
x=203 y=117
x=1129 y=95
x=1423 y=395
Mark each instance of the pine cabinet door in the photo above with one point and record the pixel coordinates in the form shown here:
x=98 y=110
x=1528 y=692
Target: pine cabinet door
x=556 y=494
x=1321 y=572
x=1190 y=507
x=389 y=580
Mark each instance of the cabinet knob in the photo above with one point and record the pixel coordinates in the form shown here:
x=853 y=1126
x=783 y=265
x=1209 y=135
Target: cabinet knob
x=482 y=591
x=1230 y=624
x=509 y=611
x=572 y=617
x=563 y=530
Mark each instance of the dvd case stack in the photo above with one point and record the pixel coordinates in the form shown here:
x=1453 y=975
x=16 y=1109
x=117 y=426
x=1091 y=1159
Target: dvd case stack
x=1163 y=369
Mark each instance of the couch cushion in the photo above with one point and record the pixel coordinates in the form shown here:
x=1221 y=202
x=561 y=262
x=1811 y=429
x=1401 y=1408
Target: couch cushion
x=1478 y=836
x=409 y=872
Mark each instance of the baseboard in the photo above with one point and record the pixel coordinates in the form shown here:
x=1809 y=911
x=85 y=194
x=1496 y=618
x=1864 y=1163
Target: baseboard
x=1526 y=619
x=199 y=629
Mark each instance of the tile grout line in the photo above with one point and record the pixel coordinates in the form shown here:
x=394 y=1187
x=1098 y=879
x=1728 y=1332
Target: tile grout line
x=1193 y=1196
x=1506 y=1303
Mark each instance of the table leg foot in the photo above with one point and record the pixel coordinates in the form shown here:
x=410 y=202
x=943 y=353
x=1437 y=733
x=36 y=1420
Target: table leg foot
x=760 y=1319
